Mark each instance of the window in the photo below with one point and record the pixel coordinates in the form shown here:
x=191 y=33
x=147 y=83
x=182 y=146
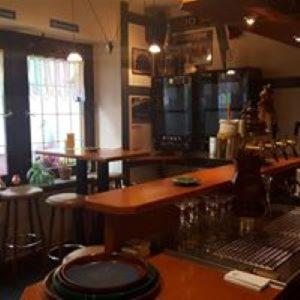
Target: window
x=3 y=161
x=56 y=95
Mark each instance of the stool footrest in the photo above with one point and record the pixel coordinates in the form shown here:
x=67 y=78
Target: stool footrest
x=67 y=248
x=29 y=240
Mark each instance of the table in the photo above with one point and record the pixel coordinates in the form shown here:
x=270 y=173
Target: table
x=102 y=156
x=122 y=207
x=185 y=280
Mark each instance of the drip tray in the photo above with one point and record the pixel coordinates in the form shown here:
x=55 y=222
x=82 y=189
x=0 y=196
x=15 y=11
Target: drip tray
x=273 y=251
x=266 y=253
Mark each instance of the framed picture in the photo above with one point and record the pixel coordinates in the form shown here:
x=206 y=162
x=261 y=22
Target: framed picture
x=141 y=62
x=140 y=127
x=140 y=109
x=195 y=47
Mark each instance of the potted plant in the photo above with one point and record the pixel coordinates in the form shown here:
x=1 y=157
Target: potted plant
x=38 y=175
x=64 y=170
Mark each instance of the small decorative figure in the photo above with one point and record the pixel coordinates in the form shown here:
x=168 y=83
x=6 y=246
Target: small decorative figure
x=266 y=110
x=253 y=125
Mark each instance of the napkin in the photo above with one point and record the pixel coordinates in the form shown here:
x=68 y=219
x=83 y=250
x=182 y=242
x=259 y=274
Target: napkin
x=251 y=281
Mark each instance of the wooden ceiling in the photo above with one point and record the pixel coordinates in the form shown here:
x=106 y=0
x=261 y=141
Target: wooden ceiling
x=276 y=19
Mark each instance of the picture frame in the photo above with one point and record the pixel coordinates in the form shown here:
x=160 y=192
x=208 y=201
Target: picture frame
x=141 y=62
x=194 y=46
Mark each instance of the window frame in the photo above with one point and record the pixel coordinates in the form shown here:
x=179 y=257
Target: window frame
x=3 y=113
x=17 y=46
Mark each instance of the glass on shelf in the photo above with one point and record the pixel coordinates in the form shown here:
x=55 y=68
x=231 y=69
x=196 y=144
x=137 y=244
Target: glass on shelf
x=202 y=222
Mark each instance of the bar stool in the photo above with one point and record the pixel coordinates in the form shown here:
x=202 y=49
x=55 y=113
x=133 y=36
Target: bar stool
x=62 y=202
x=13 y=196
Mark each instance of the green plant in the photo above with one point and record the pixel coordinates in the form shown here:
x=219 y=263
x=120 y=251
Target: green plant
x=39 y=175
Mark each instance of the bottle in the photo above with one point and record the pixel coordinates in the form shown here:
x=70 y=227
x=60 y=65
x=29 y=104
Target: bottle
x=16 y=179
x=2 y=185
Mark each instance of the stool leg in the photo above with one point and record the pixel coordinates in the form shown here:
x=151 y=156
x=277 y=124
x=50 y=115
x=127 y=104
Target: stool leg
x=30 y=216
x=16 y=232
x=62 y=232
x=42 y=233
x=39 y=218
x=118 y=183
x=5 y=229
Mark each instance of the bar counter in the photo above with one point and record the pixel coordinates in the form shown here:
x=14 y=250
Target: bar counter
x=186 y=280
x=151 y=195
x=147 y=209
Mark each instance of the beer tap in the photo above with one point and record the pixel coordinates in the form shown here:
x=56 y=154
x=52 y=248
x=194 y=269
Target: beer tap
x=269 y=148
x=282 y=146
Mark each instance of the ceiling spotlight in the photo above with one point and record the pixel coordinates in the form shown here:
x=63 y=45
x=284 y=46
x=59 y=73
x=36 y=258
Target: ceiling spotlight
x=250 y=21
x=231 y=72
x=297 y=38
x=154 y=48
x=209 y=57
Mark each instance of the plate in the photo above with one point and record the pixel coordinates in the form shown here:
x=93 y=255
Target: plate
x=103 y=273
x=148 y=290
x=185 y=181
x=48 y=288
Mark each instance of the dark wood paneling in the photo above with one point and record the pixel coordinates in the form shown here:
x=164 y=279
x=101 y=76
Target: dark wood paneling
x=184 y=23
x=17 y=126
x=137 y=19
x=89 y=105
x=139 y=90
x=124 y=74
x=283 y=82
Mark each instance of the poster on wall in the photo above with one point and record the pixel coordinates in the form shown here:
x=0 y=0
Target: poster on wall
x=140 y=122
x=141 y=62
x=194 y=46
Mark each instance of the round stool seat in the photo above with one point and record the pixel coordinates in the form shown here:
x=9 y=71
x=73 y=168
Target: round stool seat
x=65 y=200
x=90 y=250
x=21 y=192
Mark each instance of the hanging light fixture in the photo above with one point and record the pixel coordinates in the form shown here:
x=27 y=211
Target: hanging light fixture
x=154 y=48
x=156 y=29
x=74 y=56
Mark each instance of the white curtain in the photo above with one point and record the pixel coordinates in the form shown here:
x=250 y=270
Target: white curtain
x=3 y=166
x=56 y=98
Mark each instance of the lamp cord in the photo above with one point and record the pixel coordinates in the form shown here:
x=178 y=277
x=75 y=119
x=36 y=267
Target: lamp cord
x=97 y=20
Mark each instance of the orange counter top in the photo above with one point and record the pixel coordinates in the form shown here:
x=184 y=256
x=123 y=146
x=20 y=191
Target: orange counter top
x=150 y=195
x=185 y=280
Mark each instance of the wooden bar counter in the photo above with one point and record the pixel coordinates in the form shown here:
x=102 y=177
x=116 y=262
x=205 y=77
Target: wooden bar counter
x=185 y=280
x=145 y=209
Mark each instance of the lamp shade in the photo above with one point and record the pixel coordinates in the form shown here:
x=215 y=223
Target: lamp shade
x=74 y=57
x=154 y=48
